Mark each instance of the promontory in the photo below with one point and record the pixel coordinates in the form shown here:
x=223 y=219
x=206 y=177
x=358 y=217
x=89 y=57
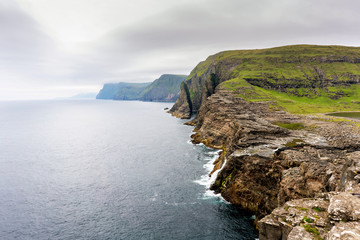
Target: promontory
x=283 y=159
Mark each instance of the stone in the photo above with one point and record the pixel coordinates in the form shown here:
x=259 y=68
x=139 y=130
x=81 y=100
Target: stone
x=344 y=207
x=299 y=233
x=344 y=231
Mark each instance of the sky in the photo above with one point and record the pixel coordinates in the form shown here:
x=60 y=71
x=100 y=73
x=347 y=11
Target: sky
x=60 y=48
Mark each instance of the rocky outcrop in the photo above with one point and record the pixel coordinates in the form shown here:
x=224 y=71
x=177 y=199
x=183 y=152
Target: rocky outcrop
x=182 y=104
x=164 y=89
x=201 y=86
x=300 y=70
x=122 y=91
x=330 y=216
x=265 y=166
x=294 y=172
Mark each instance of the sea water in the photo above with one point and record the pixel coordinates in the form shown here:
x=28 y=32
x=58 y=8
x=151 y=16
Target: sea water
x=96 y=169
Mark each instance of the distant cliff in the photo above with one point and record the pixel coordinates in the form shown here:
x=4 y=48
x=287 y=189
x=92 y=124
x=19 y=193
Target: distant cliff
x=166 y=88
x=122 y=91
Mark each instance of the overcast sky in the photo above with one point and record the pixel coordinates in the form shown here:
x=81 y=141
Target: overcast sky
x=58 y=48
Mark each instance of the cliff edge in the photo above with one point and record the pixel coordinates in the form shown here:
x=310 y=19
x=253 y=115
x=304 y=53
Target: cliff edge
x=164 y=89
x=300 y=78
x=296 y=172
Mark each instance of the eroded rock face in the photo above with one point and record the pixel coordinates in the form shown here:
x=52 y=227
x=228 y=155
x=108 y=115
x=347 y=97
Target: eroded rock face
x=345 y=207
x=345 y=231
x=297 y=218
x=181 y=108
x=351 y=174
x=334 y=215
x=266 y=167
x=202 y=84
x=299 y=233
x=251 y=182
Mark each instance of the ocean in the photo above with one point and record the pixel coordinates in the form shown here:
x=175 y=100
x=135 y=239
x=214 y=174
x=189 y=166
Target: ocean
x=97 y=169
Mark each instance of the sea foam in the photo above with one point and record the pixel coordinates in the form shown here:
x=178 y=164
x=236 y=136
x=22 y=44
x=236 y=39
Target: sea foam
x=206 y=180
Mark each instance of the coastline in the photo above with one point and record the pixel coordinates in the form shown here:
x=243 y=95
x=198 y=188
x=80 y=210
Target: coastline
x=284 y=165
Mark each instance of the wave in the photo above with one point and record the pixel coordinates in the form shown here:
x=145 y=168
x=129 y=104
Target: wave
x=205 y=180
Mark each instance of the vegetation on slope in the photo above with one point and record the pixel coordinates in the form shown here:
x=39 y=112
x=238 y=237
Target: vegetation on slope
x=131 y=91
x=299 y=79
x=166 y=88
x=316 y=100
x=122 y=91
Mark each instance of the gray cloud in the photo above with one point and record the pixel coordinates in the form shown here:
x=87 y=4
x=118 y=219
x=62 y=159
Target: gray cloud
x=22 y=39
x=177 y=39
x=241 y=23
x=172 y=41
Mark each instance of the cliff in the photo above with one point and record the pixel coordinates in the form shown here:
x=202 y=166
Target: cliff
x=166 y=88
x=295 y=172
x=122 y=91
x=300 y=78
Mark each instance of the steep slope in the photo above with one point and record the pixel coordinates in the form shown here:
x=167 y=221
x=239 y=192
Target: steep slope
x=270 y=157
x=327 y=77
x=166 y=88
x=130 y=91
x=248 y=105
x=122 y=91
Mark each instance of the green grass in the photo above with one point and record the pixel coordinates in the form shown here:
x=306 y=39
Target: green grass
x=308 y=220
x=300 y=79
x=303 y=209
x=287 y=61
x=313 y=230
x=294 y=143
x=318 y=209
x=290 y=126
x=316 y=101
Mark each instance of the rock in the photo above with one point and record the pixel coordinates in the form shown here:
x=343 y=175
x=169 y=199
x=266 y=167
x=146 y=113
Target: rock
x=251 y=182
x=296 y=217
x=182 y=109
x=299 y=233
x=344 y=207
x=270 y=229
x=262 y=170
x=351 y=173
x=344 y=231
x=286 y=176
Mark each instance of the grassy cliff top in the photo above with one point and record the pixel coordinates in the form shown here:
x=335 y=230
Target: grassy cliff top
x=286 y=58
x=298 y=78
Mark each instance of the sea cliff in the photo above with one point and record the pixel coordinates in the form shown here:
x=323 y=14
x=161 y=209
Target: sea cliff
x=164 y=89
x=298 y=171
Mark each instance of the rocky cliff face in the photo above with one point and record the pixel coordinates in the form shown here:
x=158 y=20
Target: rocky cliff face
x=202 y=83
x=122 y=91
x=330 y=216
x=164 y=89
x=264 y=165
x=295 y=172
x=303 y=70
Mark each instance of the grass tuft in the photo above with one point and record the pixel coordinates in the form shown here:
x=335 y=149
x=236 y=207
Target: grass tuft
x=290 y=126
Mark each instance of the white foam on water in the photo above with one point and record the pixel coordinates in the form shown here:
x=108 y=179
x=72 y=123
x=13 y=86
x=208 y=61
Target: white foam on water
x=206 y=180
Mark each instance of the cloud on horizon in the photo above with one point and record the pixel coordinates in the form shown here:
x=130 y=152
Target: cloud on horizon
x=172 y=39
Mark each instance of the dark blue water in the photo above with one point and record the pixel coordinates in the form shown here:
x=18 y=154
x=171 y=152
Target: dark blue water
x=106 y=170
